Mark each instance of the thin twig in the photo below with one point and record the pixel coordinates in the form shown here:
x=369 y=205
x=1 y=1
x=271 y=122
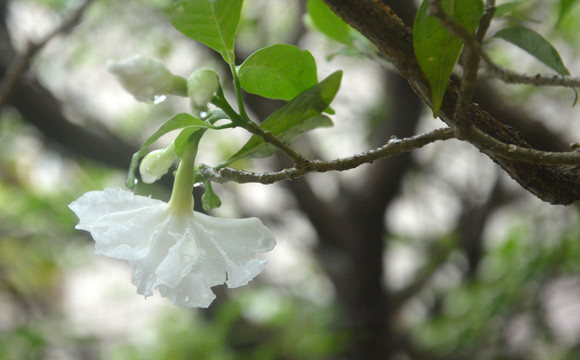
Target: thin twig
x=513 y=77
x=485 y=20
x=21 y=62
x=275 y=141
x=393 y=147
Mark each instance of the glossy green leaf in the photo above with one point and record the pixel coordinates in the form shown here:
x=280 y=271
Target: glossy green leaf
x=327 y=22
x=301 y=114
x=534 y=44
x=279 y=71
x=212 y=22
x=178 y=121
x=209 y=199
x=437 y=51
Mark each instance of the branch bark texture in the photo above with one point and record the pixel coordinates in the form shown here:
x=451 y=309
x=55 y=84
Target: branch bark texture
x=557 y=184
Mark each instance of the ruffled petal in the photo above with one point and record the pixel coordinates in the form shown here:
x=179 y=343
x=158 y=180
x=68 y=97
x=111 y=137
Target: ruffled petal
x=95 y=204
x=189 y=294
x=181 y=256
x=194 y=290
x=123 y=225
x=237 y=241
x=190 y=269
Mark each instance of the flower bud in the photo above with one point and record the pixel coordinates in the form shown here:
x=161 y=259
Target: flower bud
x=156 y=164
x=143 y=77
x=201 y=87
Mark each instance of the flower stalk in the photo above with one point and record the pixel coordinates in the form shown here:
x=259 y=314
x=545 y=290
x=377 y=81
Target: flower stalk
x=181 y=201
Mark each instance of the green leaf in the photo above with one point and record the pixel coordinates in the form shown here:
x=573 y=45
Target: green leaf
x=437 y=51
x=565 y=8
x=506 y=8
x=534 y=44
x=209 y=199
x=256 y=148
x=183 y=139
x=278 y=72
x=301 y=114
x=178 y=121
x=212 y=22
x=327 y=22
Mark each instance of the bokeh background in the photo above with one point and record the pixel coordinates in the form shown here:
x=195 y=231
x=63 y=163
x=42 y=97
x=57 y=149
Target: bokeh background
x=435 y=254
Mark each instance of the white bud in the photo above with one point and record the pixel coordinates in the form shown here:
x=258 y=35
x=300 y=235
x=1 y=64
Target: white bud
x=156 y=164
x=143 y=77
x=201 y=87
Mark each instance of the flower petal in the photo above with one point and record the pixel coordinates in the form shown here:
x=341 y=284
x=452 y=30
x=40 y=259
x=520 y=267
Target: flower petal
x=181 y=256
x=189 y=294
x=95 y=204
x=237 y=241
x=179 y=268
x=123 y=225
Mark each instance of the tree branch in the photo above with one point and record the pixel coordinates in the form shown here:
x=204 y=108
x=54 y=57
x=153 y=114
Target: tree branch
x=393 y=147
x=505 y=75
x=558 y=184
x=40 y=108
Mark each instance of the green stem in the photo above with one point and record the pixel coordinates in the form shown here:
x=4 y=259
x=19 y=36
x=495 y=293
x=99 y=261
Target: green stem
x=181 y=201
x=238 y=90
x=220 y=101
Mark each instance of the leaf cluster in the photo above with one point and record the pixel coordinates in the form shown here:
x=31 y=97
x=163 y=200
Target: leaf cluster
x=278 y=71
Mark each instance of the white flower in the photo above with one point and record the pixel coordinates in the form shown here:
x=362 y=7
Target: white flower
x=143 y=77
x=180 y=255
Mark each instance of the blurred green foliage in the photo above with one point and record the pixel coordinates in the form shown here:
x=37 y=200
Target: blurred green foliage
x=475 y=317
x=287 y=327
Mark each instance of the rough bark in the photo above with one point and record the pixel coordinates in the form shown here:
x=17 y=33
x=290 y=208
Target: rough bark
x=376 y=20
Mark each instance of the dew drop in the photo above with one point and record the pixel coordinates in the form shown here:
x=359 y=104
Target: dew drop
x=512 y=148
x=157 y=99
x=394 y=139
x=203 y=114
